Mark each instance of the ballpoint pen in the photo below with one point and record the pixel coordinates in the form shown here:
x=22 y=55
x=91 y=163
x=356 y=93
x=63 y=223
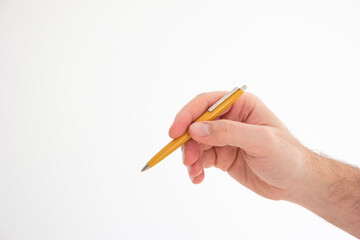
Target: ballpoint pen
x=214 y=111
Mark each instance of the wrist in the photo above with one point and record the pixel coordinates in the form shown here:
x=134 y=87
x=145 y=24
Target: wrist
x=310 y=179
x=329 y=189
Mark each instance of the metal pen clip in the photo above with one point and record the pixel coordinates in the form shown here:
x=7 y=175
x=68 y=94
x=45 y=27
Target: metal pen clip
x=225 y=97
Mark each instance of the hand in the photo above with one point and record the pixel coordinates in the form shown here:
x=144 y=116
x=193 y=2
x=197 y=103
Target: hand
x=248 y=141
x=255 y=148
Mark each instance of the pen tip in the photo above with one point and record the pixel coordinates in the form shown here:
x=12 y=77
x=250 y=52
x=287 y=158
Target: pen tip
x=146 y=167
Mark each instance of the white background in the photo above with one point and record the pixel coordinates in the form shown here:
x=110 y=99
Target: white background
x=88 y=90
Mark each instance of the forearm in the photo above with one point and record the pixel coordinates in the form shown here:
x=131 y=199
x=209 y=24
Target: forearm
x=330 y=189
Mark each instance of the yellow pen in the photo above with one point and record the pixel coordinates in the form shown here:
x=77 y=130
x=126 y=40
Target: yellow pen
x=209 y=115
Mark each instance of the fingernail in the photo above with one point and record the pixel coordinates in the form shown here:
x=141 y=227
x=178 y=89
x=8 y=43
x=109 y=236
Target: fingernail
x=188 y=169
x=200 y=129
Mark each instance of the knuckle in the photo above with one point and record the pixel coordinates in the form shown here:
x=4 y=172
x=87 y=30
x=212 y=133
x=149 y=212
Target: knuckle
x=269 y=137
x=268 y=134
x=222 y=131
x=200 y=96
x=226 y=127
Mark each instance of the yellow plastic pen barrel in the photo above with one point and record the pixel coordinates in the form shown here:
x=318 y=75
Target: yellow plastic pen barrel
x=169 y=148
x=209 y=115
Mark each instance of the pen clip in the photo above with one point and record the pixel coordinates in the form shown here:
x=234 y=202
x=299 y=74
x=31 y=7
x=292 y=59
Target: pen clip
x=225 y=97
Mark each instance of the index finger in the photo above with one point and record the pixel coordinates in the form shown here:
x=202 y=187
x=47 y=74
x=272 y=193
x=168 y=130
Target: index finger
x=192 y=111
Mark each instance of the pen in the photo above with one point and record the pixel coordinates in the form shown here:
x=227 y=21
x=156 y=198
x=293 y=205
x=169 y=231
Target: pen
x=209 y=115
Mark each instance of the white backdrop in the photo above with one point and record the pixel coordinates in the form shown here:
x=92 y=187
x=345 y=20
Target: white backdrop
x=88 y=90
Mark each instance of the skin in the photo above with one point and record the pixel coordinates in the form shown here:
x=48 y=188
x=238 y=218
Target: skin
x=255 y=148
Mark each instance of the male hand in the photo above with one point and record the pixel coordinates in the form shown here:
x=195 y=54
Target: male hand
x=255 y=148
x=248 y=141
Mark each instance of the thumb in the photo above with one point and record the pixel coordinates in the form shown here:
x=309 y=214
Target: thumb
x=251 y=138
